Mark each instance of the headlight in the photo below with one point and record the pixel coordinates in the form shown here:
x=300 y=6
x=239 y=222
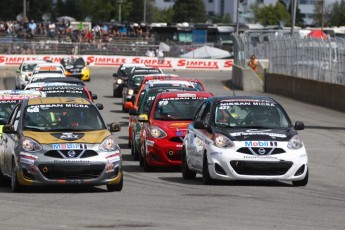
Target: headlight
x=222 y=141
x=30 y=145
x=295 y=142
x=130 y=92
x=119 y=81
x=157 y=132
x=23 y=76
x=109 y=144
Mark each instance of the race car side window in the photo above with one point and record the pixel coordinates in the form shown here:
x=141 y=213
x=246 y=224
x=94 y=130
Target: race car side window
x=15 y=116
x=199 y=112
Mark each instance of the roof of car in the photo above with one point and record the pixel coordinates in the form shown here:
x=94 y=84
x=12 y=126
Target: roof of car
x=184 y=94
x=57 y=100
x=133 y=65
x=65 y=80
x=19 y=94
x=243 y=98
x=152 y=83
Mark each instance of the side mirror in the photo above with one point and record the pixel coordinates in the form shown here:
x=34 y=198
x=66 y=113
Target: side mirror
x=133 y=112
x=299 y=125
x=94 y=96
x=143 y=118
x=114 y=74
x=17 y=70
x=8 y=128
x=199 y=125
x=99 y=106
x=128 y=105
x=114 y=127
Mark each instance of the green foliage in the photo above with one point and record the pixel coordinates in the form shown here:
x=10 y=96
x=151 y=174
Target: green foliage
x=189 y=11
x=271 y=14
x=335 y=16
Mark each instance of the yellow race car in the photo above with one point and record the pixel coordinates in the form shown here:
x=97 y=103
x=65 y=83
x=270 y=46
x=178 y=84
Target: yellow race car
x=76 y=67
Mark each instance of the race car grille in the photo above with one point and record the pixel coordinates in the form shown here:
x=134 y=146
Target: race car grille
x=83 y=153
x=261 y=168
x=175 y=156
x=177 y=139
x=261 y=151
x=71 y=171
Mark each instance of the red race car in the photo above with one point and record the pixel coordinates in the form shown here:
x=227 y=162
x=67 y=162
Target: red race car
x=165 y=126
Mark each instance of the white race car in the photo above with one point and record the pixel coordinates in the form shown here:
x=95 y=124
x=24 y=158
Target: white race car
x=244 y=138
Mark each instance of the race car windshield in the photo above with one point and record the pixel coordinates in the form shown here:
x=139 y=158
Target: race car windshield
x=61 y=92
x=62 y=117
x=251 y=114
x=28 y=67
x=176 y=108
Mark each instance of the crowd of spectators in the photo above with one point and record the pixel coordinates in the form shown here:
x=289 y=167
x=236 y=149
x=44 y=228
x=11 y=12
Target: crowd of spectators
x=62 y=30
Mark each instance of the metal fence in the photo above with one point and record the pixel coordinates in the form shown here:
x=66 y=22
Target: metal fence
x=310 y=58
x=120 y=47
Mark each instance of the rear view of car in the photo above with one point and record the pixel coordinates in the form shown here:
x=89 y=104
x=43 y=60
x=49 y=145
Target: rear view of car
x=76 y=67
x=24 y=72
x=61 y=141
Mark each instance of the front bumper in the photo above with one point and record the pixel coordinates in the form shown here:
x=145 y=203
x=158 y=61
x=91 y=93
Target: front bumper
x=160 y=152
x=225 y=164
x=52 y=168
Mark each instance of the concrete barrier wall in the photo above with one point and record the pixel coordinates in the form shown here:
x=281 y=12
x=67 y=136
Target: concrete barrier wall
x=246 y=79
x=315 y=92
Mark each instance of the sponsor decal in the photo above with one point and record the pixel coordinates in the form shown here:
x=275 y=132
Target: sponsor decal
x=179 y=133
x=258 y=133
x=215 y=153
x=179 y=125
x=153 y=62
x=198 y=64
x=260 y=157
x=68 y=136
x=260 y=143
x=28 y=156
x=106 y=61
x=114 y=157
x=150 y=143
x=179 y=146
x=27 y=161
x=66 y=146
x=71 y=161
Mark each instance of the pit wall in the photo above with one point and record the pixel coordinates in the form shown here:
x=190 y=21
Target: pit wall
x=315 y=92
x=116 y=61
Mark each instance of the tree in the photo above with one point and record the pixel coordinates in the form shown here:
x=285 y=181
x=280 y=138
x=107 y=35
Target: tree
x=189 y=11
x=271 y=14
x=335 y=14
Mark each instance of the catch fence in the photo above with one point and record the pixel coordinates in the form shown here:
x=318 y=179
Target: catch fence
x=309 y=58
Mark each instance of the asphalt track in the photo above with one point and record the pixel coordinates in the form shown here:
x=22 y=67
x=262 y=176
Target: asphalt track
x=163 y=200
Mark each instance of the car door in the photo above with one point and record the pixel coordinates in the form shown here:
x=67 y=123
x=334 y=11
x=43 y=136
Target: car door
x=201 y=135
x=9 y=141
x=194 y=140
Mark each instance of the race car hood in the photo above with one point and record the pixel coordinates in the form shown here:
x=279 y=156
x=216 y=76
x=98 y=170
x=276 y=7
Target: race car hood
x=91 y=137
x=258 y=134
x=172 y=125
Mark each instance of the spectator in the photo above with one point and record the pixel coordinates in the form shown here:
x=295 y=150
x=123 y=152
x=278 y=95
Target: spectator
x=159 y=53
x=150 y=53
x=51 y=29
x=32 y=27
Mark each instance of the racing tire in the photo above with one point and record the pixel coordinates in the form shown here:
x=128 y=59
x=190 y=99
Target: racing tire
x=115 y=187
x=15 y=185
x=187 y=174
x=141 y=161
x=4 y=180
x=136 y=153
x=303 y=182
x=147 y=167
x=114 y=93
x=206 y=178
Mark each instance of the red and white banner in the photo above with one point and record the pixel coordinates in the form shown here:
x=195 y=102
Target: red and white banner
x=115 y=61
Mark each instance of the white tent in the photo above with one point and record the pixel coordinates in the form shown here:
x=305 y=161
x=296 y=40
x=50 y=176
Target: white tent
x=207 y=52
